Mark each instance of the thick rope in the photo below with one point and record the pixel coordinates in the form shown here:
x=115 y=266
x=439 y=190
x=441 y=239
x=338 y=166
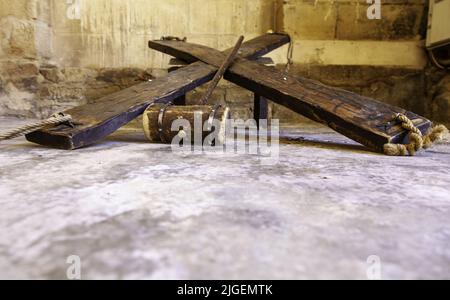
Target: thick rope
x=55 y=119
x=417 y=141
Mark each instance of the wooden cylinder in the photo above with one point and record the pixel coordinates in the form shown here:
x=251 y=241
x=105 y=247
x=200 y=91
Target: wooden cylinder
x=159 y=126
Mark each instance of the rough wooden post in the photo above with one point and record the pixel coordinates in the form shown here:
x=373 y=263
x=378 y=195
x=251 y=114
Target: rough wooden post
x=261 y=109
x=261 y=104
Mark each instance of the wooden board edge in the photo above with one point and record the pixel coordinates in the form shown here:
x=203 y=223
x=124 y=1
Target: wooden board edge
x=44 y=138
x=401 y=137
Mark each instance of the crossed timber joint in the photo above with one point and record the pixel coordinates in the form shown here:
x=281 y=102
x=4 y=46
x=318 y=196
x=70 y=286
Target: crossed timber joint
x=365 y=120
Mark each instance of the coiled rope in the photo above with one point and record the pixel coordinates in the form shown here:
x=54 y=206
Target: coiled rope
x=55 y=119
x=417 y=140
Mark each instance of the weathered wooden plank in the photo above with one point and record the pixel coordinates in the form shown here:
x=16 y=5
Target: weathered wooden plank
x=95 y=121
x=362 y=119
x=251 y=50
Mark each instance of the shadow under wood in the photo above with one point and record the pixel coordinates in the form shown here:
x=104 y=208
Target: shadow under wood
x=332 y=145
x=130 y=136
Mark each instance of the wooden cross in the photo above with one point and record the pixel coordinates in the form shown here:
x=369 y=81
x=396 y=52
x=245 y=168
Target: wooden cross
x=365 y=120
x=93 y=122
x=260 y=104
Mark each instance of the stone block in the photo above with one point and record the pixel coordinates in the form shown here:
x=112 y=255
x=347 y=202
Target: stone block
x=79 y=75
x=122 y=77
x=17 y=38
x=16 y=8
x=24 y=75
x=409 y=54
x=17 y=70
x=310 y=20
x=52 y=74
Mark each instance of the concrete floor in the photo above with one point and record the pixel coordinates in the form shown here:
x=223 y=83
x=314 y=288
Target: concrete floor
x=130 y=209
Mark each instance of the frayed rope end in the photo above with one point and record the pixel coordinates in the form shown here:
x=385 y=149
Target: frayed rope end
x=435 y=135
x=417 y=142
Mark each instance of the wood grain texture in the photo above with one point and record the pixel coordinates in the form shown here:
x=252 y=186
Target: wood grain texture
x=95 y=121
x=251 y=50
x=362 y=119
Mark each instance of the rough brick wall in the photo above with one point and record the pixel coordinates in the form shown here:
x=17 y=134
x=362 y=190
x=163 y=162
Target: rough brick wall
x=54 y=57
x=19 y=55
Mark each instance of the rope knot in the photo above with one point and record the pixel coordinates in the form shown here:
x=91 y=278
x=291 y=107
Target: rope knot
x=417 y=141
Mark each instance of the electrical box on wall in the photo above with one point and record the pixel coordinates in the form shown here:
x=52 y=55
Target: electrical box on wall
x=438 y=24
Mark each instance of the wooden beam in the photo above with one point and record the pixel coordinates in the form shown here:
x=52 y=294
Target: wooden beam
x=94 y=121
x=260 y=109
x=362 y=119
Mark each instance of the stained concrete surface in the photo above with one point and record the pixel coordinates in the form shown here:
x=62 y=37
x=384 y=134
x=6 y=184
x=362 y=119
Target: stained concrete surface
x=130 y=209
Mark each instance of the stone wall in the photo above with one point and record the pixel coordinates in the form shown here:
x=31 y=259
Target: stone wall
x=19 y=56
x=336 y=43
x=55 y=54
